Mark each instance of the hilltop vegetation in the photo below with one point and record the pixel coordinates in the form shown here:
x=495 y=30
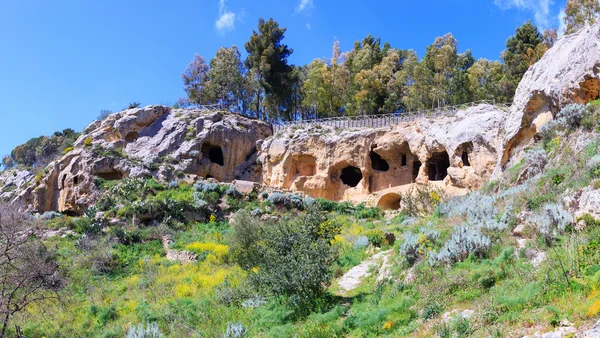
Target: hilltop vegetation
x=372 y=78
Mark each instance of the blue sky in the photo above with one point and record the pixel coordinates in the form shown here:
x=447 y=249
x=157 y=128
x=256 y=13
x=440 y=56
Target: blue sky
x=63 y=61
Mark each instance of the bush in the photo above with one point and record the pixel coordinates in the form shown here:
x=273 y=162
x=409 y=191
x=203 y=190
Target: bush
x=233 y=192
x=284 y=258
x=537 y=159
x=479 y=210
x=150 y=330
x=571 y=115
x=361 y=242
x=416 y=246
x=376 y=237
x=235 y=330
x=551 y=220
x=464 y=242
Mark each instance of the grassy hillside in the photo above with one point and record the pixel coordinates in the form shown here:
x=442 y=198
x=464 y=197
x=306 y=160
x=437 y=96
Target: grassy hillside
x=268 y=264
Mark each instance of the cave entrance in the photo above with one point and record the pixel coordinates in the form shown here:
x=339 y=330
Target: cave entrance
x=438 y=166
x=213 y=153
x=415 y=169
x=132 y=136
x=378 y=163
x=351 y=176
x=389 y=201
x=403 y=160
x=465 y=158
x=111 y=175
x=464 y=150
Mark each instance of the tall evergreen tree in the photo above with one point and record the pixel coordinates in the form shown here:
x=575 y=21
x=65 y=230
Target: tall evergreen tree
x=519 y=49
x=267 y=59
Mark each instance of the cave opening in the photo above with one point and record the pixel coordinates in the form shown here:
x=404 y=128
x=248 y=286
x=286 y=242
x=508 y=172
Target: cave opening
x=403 y=160
x=75 y=180
x=351 y=176
x=132 y=136
x=389 y=201
x=465 y=158
x=438 y=166
x=378 y=163
x=112 y=175
x=213 y=153
x=415 y=169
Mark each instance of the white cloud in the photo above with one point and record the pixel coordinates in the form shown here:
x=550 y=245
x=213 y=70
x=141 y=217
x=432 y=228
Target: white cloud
x=305 y=5
x=226 y=20
x=308 y=26
x=540 y=9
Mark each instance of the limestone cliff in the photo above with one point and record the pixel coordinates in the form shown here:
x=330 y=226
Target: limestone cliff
x=459 y=150
x=568 y=73
x=154 y=141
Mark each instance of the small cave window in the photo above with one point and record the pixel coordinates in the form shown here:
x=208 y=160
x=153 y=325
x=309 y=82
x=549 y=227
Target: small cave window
x=132 y=136
x=415 y=169
x=213 y=153
x=403 y=160
x=465 y=158
x=75 y=180
x=389 y=202
x=438 y=166
x=306 y=165
x=378 y=163
x=111 y=175
x=351 y=176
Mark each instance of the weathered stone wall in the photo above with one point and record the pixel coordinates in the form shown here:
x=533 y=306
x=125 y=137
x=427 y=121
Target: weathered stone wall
x=154 y=141
x=339 y=164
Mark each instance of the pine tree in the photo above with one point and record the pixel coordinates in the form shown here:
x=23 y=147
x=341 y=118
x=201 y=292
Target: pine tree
x=267 y=59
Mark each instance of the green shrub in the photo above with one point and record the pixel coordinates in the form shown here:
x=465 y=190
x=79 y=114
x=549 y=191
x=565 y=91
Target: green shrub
x=284 y=258
x=376 y=237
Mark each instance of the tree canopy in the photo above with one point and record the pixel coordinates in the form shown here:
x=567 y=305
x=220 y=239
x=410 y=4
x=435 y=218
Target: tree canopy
x=372 y=78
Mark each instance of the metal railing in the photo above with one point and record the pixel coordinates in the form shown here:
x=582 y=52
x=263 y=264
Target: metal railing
x=383 y=120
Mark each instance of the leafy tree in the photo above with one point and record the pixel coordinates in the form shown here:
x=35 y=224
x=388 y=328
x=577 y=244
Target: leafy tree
x=7 y=162
x=225 y=83
x=194 y=80
x=267 y=59
x=39 y=151
x=578 y=13
x=440 y=59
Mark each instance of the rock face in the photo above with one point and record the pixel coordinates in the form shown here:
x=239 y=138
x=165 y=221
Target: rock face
x=154 y=141
x=568 y=73
x=11 y=181
x=459 y=150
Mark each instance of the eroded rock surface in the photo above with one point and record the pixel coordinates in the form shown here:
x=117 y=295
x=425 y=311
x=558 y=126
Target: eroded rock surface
x=568 y=73
x=154 y=141
x=336 y=164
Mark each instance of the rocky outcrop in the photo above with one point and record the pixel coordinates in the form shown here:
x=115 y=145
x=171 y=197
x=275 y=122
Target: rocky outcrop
x=13 y=180
x=154 y=141
x=568 y=73
x=321 y=161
